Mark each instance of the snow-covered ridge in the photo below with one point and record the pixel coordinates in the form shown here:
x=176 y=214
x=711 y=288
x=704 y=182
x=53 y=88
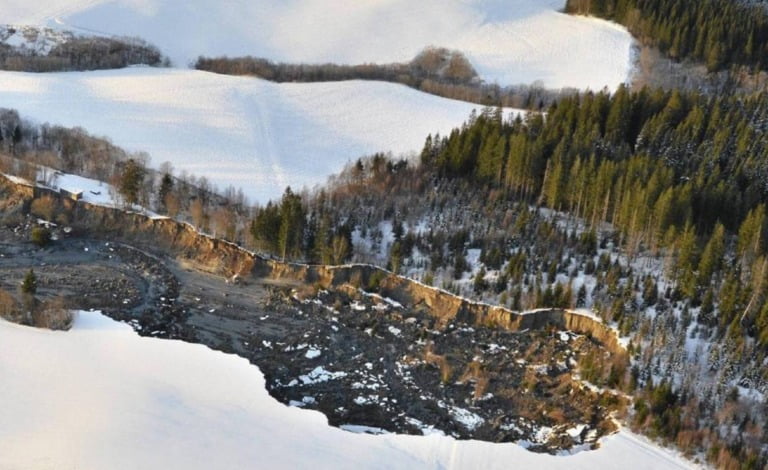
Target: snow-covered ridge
x=100 y=396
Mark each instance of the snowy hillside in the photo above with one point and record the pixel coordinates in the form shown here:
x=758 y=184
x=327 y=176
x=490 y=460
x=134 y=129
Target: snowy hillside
x=99 y=396
x=509 y=41
x=249 y=133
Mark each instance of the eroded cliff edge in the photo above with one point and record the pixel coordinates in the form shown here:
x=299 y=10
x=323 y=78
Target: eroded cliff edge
x=184 y=243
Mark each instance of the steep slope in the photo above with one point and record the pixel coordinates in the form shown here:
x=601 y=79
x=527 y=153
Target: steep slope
x=518 y=41
x=99 y=396
x=244 y=132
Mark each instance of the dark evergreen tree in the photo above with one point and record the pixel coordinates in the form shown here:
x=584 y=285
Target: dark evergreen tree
x=265 y=227
x=29 y=284
x=291 y=232
x=131 y=180
x=166 y=187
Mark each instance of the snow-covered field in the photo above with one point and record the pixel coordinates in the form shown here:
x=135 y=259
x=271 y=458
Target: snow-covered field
x=262 y=137
x=252 y=134
x=509 y=41
x=100 y=396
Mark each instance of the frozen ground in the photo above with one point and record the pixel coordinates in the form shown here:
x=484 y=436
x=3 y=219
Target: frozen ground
x=249 y=133
x=99 y=396
x=509 y=41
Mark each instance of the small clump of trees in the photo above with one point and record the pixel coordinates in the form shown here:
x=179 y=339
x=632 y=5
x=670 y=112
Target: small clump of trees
x=79 y=53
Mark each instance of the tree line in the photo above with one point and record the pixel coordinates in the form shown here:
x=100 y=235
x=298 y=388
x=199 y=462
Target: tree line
x=718 y=33
x=432 y=63
x=437 y=71
x=291 y=229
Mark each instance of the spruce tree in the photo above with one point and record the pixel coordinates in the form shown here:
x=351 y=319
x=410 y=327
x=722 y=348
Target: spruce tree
x=131 y=181
x=166 y=187
x=29 y=284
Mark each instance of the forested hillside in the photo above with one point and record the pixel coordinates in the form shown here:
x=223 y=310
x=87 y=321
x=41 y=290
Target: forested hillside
x=661 y=230
x=719 y=33
x=672 y=172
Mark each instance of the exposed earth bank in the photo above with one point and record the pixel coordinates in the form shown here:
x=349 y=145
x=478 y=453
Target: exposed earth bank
x=374 y=351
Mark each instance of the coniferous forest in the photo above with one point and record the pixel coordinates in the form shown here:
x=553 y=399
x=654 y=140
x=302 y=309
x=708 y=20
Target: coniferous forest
x=670 y=171
x=719 y=33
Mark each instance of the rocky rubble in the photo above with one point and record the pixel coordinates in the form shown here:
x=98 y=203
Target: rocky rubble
x=377 y=366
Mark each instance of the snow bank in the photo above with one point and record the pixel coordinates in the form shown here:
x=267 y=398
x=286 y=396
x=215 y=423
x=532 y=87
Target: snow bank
x=509 y=41
x=249 y=133
x=99 y=396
